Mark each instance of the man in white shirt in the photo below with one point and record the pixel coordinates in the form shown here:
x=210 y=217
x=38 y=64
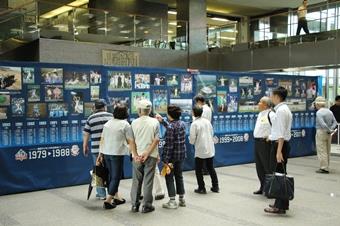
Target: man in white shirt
x=146 y=134
x=280 y=135
x=201 y=136
x=302 y=21
x=262 y=144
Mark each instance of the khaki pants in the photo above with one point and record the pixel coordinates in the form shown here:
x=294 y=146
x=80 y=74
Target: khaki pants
x=323 y=148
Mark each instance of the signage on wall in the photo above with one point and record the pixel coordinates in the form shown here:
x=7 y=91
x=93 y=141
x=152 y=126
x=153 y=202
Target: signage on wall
x=120 y=58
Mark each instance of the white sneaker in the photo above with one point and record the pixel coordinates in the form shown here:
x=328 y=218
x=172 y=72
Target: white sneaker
x=182 y=203
x=170 y=205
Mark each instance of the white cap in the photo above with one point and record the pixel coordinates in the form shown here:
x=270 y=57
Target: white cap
x=320 y=100
x=144 y=104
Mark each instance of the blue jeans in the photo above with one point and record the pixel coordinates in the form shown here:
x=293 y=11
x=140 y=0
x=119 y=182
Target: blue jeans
x=101 y=192
x=115 y=165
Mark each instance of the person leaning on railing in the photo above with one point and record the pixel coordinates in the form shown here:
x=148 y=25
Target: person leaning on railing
x=302 y=21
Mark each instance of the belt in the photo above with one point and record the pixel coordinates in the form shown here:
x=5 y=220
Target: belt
x=276 y=141
x=260 y=139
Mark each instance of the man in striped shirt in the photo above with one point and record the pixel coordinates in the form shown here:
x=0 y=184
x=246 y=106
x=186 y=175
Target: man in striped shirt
x=93 y=129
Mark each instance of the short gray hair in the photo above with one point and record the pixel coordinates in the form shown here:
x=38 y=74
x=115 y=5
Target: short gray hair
x=267 y=101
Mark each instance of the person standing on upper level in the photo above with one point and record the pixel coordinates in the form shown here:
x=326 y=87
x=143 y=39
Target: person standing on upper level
x=302 y=21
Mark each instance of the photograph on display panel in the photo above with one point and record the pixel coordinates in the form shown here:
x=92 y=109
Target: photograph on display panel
x=28 y=75
x=297 y=104
x=119 y=80
x=186 y=84
x=5 y=100
x=222 y=81
x=18 y=107
x=114 y=101
x=175 y=92
x=160 y=101
x=246 y=87
x=206 y=85
x=76 y=80
x=3 y=113
x=89 y=109
x=142 y=81
x=288 y=85
x=54 y=93
x=300 y=88
x=135 y=98
x=222 y=101
x=248 y=106
x=95 y=77
x=57 y=110
x=257 y=87
x=95 y=90
x=233 y=85
x=33 y=93
x=77 y=103
x=10 y=78
x=232 y=101
x=51 y=75
x=184 y=104
x=36 y=110
x=173 y=80
x=158 y=79
x=311 y=89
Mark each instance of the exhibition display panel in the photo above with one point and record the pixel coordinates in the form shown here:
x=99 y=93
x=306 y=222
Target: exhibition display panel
x=44 y=107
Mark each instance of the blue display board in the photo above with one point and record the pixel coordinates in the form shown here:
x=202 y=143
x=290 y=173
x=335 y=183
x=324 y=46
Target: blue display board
x=44 y=107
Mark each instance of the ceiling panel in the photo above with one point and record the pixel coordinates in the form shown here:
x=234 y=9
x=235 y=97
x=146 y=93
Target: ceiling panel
x=244 y=7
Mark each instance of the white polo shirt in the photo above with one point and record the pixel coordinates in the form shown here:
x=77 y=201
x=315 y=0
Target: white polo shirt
x=201 y=135
x=282 y=124
x=207 y=113
x=145 y=130
x=262 y=126
x=114 y=137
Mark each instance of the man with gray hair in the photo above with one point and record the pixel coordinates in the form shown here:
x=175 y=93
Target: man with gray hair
x=146 y=134
x=262 y=144
x=325 y=125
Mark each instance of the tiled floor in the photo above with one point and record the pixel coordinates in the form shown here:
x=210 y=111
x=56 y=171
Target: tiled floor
x=317 y=202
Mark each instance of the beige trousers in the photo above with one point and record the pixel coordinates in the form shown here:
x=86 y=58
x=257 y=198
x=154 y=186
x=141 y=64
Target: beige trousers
x=323 y=148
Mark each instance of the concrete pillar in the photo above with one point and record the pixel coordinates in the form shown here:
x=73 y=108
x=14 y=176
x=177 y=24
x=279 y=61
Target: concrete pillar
x=194 y=11
x=243 y=30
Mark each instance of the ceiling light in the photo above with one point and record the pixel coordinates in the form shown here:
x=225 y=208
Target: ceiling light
x=121 y=25
x=212 y=28
x=179 y=26
x=125 y=32
x=219 y=19
x=114 y=19
x=173 y=23
x=173 y=12
x=156 y=24
x=141 y=28
x=60 y=26
x=64 y=9
x=146 y=32
x=170 y=32
x=227 y=38
x=83 y=27
x=104 y=29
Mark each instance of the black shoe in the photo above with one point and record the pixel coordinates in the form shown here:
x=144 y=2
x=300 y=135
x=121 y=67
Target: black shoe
x=322 y=171
x=109 y=206
x=215 y=189
x=258 y=192
x=119 y=202
x=159 y=197
x=141 y=197
x=200 y=191
x=273 y=206
x=135 y=208
x=148 y=209
x=274 y=210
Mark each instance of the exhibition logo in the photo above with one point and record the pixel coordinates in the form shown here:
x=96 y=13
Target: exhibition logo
x=75 y=150
x=21 y=155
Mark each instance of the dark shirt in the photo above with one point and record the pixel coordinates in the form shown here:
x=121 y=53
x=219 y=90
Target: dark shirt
x=174 y=147
x=336 y=112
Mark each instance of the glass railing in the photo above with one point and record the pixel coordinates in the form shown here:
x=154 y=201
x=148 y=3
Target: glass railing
x=54 y=21
x=281 y=29
x=222 y=36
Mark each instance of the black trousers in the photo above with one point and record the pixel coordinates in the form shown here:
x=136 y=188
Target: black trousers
x=278 y=167
x=302 y=23
x=262 y=159
x=176 y=174
x=210 y=167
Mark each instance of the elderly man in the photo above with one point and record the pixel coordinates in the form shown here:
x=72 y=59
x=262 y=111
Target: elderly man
x=325 y=125
x=146 y=134
x=262 y=144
